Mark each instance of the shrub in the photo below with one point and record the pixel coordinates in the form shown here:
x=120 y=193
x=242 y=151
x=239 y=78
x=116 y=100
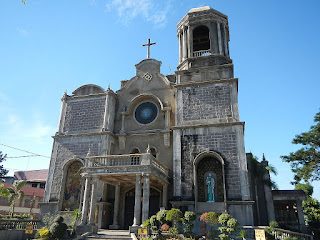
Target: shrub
x=232 y=223
x=212 y=218
x=153 y=220
x=188 y=229
x=146 y=224
x=203 y=217
x=229 y=226
x=58 y=228
x=189 y=217
x=44 y=233
x=223 y=218
x=165 y=227
x=173 y=232
x=161 y=216
x=174 y=215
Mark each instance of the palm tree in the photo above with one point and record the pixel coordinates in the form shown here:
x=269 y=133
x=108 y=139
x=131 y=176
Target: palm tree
x=14 y=194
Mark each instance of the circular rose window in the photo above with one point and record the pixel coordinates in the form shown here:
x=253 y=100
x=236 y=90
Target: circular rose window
x=146 y=112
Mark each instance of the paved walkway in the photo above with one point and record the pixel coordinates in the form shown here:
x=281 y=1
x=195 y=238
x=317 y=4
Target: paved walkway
x=108 y=234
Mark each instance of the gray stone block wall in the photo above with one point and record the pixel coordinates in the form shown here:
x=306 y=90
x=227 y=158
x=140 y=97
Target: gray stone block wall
x=223 y=143
x=66 y=149
x=206 y=102
x=85 y=115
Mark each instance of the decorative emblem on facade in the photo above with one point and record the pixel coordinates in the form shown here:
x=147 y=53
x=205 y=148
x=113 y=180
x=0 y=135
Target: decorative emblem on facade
x=147 y=76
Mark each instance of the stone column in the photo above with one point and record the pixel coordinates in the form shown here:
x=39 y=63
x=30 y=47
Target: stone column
x=93 y=202
x=85 y=201
x=146 y=195
x=109 y=111
x=219 y=38
x=189 y=43
x=164 y=195
x=184 y=50
x=301 y=216
x=115 y=224
x=226 y=52
x=62 y=112
x=180 y=47
x=177 y=163
x=137 y=201
x=122 y=123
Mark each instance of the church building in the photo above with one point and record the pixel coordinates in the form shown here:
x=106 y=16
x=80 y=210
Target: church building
x=160 y=141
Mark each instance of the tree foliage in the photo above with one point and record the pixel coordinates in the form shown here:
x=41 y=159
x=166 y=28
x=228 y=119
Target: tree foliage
x=260 y=169
x=3 y=171
x=305 y=162
x=14 y=194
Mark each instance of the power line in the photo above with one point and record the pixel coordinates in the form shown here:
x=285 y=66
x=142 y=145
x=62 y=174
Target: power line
x=24 y=156
x=34 y=154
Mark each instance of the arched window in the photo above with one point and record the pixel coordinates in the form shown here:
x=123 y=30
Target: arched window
x=153 y=152
x=210 y=180
x=134 y=150
x=71 y=199
x=201 y=40
x=135 y=160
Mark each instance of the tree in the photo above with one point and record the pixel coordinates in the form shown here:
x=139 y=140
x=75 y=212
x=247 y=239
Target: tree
x=14 y=194
x=305 y=163
x=3 y=171
x=311 y=208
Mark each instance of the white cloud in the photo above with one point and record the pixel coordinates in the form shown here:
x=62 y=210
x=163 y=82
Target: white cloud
x=151 y=10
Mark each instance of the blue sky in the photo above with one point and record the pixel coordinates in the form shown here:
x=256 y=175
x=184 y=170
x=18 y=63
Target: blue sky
x=48 y=47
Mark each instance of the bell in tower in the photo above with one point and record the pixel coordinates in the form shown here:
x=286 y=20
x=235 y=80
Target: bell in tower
x=203 y=39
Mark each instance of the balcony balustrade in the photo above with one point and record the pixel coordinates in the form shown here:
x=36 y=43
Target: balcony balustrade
x=141 y=159
x=202 y=53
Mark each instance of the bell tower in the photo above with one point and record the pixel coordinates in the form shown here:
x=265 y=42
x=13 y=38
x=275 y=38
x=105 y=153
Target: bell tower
x=208 y=136
x=203 y=32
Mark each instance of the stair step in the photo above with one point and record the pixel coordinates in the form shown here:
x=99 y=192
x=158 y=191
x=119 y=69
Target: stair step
x=109 y=234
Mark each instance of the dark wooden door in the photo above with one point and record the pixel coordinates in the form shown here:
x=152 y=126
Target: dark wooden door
x=154 y=205
x=129 y=209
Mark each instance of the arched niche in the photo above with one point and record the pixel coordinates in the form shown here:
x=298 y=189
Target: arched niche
x=72 y=186
x=209 y=165
x=144 y=98
x=201 y=39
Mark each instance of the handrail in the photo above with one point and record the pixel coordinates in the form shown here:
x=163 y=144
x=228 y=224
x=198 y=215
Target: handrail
x=202 y=53
x=279 y=233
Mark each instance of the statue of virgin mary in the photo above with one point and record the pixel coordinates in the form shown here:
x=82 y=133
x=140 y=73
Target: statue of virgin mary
x=210 y=187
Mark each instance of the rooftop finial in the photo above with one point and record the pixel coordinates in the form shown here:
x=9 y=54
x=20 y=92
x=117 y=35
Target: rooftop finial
x=108 y=86
x=89 y=152
x=263 y=157
x=148 y=44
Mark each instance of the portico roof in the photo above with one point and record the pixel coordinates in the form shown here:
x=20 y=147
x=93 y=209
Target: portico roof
x=124 y=168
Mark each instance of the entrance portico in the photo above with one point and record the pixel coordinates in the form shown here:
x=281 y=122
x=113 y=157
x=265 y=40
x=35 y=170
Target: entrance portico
x=141 y=172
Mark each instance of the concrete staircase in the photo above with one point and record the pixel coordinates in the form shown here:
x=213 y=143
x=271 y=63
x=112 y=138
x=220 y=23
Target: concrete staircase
x=107 y=234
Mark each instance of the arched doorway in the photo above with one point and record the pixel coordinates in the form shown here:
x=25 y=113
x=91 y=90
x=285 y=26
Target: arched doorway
x=154 y=205
x=201 y=40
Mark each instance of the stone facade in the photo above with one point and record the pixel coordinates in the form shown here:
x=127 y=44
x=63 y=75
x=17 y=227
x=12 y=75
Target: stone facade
x=156 y=141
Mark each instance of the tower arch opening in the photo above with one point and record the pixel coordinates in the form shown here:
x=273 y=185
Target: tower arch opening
x=201 y=39
x=72 y=187
x=209 y=179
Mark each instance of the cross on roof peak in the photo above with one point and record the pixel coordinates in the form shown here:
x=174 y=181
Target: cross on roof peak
x=148 y=45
